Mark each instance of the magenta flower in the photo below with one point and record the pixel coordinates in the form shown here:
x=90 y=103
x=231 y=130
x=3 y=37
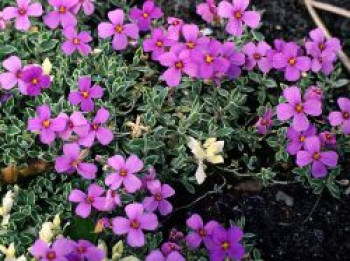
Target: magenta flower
x=319 y=43
x=102 y=134
x=145 y=16
x=62 y=14
x=193 y=41
x=71 y=161
x=22 y=13
x=56 y=252
x=84 y=250
x=85 y=94
x=298 y=109
x=225 y=243
x=265 y=122
x=149 y=178
x=200 y=232
x=133 y=225
x=87 y=6
x=313 y=154
x=297 y=139
x=208 y=11
x=323 y=62
x=313 y=92
x=118 y=30
x=342 y=118
x=158 y=199
x=9 y=79
x=291 y=61
x=35 y=80
x=175 y=27
x=76 y=42
x=125 y=171
x=328 y=139
x=112 y=200
x=178 y=62
x=238 y=16
x=87 y=201
x=157 y=255
x=256 y=55
x=2 y=21
x=47 y=126
x=210 y=60
x=75 y=123
x=157 y=43
x=235 y=58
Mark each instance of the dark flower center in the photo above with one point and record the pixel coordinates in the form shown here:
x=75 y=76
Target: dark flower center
x=209 y=59
x=51 y=255
x=76 y=41
x=225 y=245
x=119 y=28
x=202 y=232
x=158 y=197
x=191 y=45
x=346 y=115
x=328 y=136
x=123 y=172
x=75 y=163
x=85 y=94
x=70 y=125
x=19 y=75
x=302 y=138
x=292 y=61
x=90 y=199
x=322 y=46
x=62 y=9
x=299 y=108
x=316 y=156
x=135 y=224
x=238 y=14
x=176 y=22
x=95 y=126
x=264 y=122
x=22 y=11
x=46 y=123
x=81 y=249
x=159 y=43
x=257 y=56
x=35 y=81
x=145 y=15
x=179 y=65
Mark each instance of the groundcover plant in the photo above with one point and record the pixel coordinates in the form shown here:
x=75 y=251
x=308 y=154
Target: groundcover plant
x=110 y=112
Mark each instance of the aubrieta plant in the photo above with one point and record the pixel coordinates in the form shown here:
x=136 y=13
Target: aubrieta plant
x=112 y=114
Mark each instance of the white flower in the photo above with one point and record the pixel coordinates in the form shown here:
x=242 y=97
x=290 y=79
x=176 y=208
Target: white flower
x=47 y=66
x=50 y=229
x=7 y=203
x=10 y=253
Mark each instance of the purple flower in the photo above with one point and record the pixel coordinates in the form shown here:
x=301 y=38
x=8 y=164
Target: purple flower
x=125 y=171
x=145 y=16
x=112 y=200
x=178 y=62
x=62 y=14
x=86 y=201
x=256 y=55
x=320 y=160
x=76 y=42
x=85 y=94
x=157 y=43
x=158 y=199
x=2 y=21
x=75 y=123
x=157 y=255
x=133 y=225
x=291 y=61
x=72 y=162
x=102 y=134
x=238 y=16
x=342 y=118
x=320 y=44
x=35 y=80
x=298 y=109
x=149 y=178
x=208 y=11
x=9 y=79
x=86 y=5
x=200 y=232
x=297 y=139
x=46 y=125
x=193 y=41
x=57 y=252
x=328 y=139
x=210 y=62
x=313 y=92
x=118 y=30
x=323 y=61
x=235 y=58
x=265 y=122
x=84 y=250
x=22 y=13
x=225 y=243
x=175 y=28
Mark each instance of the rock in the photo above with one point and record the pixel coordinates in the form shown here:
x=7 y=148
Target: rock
x=288 y=200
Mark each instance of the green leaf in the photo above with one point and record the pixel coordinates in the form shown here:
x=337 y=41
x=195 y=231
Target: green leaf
x=13 y=130
x=7 y=49
x=81 y=229
x=224 y=132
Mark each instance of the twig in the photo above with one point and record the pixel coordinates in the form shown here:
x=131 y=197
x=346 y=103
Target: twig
x=313 y=209
x=342 y=56
x=331 y=8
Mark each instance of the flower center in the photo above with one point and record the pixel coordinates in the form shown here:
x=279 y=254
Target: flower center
x=179 y=65
x=176 y=22
x=119 y=28
x=191 y=45
x=22 y=11
x=75 y=163
x=90 y=199
x=292 y=61
x=328 y=136
x=257 y=56
x=299 y=108
x=46 y=124
x=51 y=255
x=202 y=232
x=159 y=43
x=238 y=14
x=264 y=122
x=81 y=250
x=302 y=138
x=35 y=81
x=225 y=245
x=135 y=224
x=95 y=126
x=19 y=75
x=76 y=41
x=158 y=197
x=346 y=115
x=145 y=15
x=322 y=46
x=85 y=95
x=316 y=156
x=62 y=9
x=123 y=172
x=209 y=59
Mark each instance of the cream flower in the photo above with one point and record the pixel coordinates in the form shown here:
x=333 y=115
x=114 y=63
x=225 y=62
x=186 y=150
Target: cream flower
x=49 y=230
x=10 y=253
